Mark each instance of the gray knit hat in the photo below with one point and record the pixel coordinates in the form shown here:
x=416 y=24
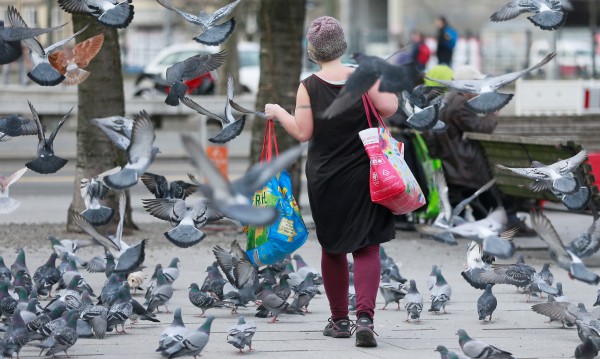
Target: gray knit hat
x=326 y=36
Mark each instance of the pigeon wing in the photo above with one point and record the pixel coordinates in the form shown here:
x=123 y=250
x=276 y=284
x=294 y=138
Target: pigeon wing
x=149 y=180
x=506 y=79
x=86 y=50
x=223 y=12
x=57 y=128
x=62 y=42
x=201 y=110
x=6 y=182
x=90 y=230
x=532 y=173
x=459 y=207
x=142 y=138
x=75 y=6
x=200 y=64
x=541 y=224
x=16 y=20
x=40 y=128
x=187 y=16
x=570 y=164
x=508 y=11
x=161 y=208
x=58 y=60
x=358 y=83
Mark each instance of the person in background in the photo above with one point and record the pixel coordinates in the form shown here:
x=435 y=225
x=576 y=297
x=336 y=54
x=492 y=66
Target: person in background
x=446 y=41
x=337 y=175
x=420 y=52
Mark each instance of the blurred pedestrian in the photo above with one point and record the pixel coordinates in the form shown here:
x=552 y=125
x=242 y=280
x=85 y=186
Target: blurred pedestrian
x=420 y=52
x=446 y=41
x=337 y=173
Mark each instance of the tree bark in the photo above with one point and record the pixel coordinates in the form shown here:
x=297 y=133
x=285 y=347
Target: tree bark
x=101 y=95
x=282 y=34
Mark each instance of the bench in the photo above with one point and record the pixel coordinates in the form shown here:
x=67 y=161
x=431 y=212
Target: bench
x=519 y=151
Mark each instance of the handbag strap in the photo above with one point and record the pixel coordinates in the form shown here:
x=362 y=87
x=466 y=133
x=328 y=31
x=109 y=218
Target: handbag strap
x=269 y=142
x=370 y=107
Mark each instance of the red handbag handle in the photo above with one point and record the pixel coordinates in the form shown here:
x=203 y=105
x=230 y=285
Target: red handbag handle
x=370 y=107
x=269 y=142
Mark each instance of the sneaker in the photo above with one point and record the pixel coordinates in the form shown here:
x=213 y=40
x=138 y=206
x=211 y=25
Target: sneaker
x=338 y=329
x=365 y=336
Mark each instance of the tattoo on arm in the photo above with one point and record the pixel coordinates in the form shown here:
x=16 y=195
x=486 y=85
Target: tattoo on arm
x=303 y=106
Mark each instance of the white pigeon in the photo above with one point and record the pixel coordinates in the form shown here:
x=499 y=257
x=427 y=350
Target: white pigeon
x=8 y=204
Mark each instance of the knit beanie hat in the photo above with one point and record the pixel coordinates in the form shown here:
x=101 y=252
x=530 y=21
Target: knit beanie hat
x=326 y=36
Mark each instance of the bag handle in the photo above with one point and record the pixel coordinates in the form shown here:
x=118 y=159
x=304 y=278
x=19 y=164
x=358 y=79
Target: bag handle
x=370 y=107
x=269 y=142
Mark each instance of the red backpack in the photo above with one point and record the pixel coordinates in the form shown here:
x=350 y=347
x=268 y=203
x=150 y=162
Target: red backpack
x=423 y=54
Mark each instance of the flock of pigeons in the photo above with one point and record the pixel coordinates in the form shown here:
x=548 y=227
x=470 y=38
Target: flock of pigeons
x=232 y=281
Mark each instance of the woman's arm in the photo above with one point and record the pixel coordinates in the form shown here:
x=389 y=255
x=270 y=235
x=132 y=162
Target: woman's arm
x=300 y=126
x=386 y=103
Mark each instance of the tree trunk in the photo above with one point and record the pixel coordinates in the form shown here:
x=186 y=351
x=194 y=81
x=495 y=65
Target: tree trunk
x=282 y=34
x=101 y=95
x=232 y=62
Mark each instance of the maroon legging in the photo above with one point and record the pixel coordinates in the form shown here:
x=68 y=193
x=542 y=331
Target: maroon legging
x=367 y=271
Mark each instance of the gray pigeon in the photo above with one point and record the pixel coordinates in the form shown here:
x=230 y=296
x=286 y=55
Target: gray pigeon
x=587 y=243
x=422 y=106
x=432 y=278
x=520 y=275
x=112 y=13
x=241 y=274
x=140 y=154
x=547 y=14
x=440 y=293
x=16 y=336
x=477 y=349
x=232 y=198
x=161 y=188
x=586 y=350
x=46 y=275
x=413 y=302
x=121 y=310
x=393 y=78
x=5 y=272
x=274 y=304
x=557 y=176
x=213 y=34
x=93 y=190
x=476 y=264
x=8 y=204
x=173 y=334
x=487 y=99
x=391 y=291
x=546 y=275
x=563 y=312
x=17 y=125
x=565 y=259
x=189 y=69
x=486 y=304
x=46 y=161
x=204 y=300
x=447 y=354
x=192 y=342
x=97 y=317
x=118 y=129
x=241 y=334
x=161 y=294
x=232 y=127
x=63 y=338
x=11 y=37
x=42 y=73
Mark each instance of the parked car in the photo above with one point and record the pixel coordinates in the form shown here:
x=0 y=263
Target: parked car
x=153 y=77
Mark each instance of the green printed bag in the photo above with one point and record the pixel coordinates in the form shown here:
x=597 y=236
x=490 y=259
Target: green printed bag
x=272 y=243
x=430 y=165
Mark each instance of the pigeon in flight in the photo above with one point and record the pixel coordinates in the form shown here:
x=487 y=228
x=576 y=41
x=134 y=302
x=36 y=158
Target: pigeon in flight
x=161 y=188
x=17 y=125
x=118 y=129
x=11 y=37
x=46 y=162
x=140 y=154
x=213 y=34
x=587 y=243
x=71 y=63
x=565 y=258
x=488 y=100
x=393 y=78
x=232 y=199
x=92 y=191
x=42 y=73
x=8 y=204
x=520 y=275
x=547 y=14
x=111 y=13
x=189 y=69
x=557 y=176
x=232 y=127
x=423 y=105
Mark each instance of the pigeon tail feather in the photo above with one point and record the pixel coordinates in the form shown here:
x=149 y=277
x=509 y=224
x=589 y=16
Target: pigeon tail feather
x=488 y=102
x=47 y=164
x=99 y=216
x=217 y=34
x=120 y=16
x=75 y=76
x=45 y=75
x=230 y=132
x=548 y=20
x=185 y=236
x=177 y=92
x=424 y=120
x=123 y=179
x=8 y=205
x=566 y=185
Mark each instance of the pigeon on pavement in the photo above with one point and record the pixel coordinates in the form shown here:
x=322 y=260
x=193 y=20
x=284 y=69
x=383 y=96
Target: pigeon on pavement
x=121 y=310
x=240 y=335
x=204 y=300
x=15 y=337
x=488 y=100
x=520 y=275
x=440 y=293
x=173 y=334
x=557 y=176
x=547 y=14
x=413 y=302
x=232 y=127
x=586 y=350
x=140 y=154
x=111 y=13
x=161 y=294
x=189 y=69
x=62 y=339
x=391 y=291
x=232 y=199
x=565 y=259
x=486 y=304
x=213 y=34
x=477 y=349
x=46 y=275
x=8 y=204
x=71 y=63
x=192 y=342
x=46 y=161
